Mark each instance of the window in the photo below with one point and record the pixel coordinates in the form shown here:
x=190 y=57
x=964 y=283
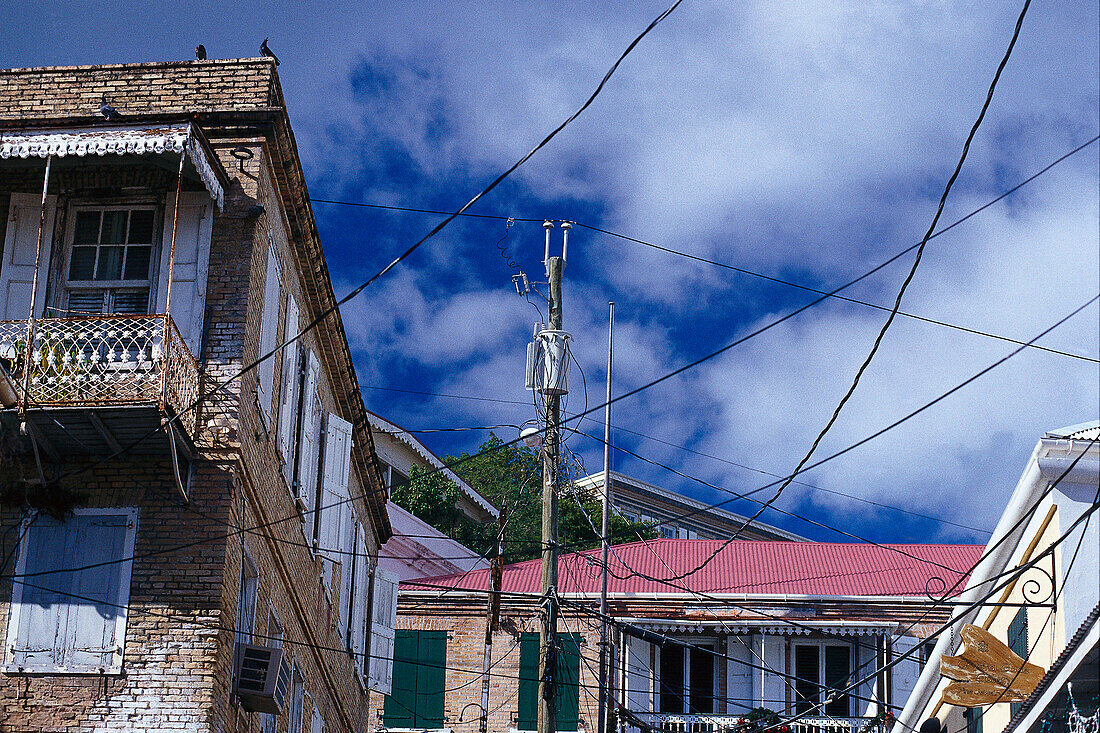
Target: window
x=419 y=671
x=318 y=721
x=1017 y=642
x=296 y=706
x=686 y=682
x=821 y=669
x=246 y=601
x=268 y=721
x=110 y=261
x=72 y=621
x=269 y=323
x=288 y=391
x=568 y=667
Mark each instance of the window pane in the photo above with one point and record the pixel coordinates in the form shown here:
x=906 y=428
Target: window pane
x=114 y=227
x=141 y=227
x=110 y=264
x=130 y=301
x=672 y=679
x=837 y=669
x=87 y=227
x=84 y=302
x=82 y=264
x=137 y=263
x=702 y=682
x=806 y=669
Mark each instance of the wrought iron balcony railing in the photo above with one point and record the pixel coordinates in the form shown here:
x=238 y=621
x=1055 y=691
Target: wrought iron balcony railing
x=101 y=361
x=677 y=723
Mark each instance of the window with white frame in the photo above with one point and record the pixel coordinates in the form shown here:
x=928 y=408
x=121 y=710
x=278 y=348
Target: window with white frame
x=821 y=670
x=288 y=391
x=72 y=620
x=332 y=534
x=246 y=601
x=111 y=260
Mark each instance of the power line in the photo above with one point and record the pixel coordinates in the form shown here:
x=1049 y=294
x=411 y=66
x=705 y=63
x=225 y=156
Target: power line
x=327 y=311
x=908 y=278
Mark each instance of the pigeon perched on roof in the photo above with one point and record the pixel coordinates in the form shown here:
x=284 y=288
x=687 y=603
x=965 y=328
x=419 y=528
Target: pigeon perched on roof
x=267 y=52
x=200 y=52
x=108 y=112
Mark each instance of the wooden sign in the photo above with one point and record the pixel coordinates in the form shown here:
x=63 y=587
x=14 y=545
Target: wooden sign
x=987 y=672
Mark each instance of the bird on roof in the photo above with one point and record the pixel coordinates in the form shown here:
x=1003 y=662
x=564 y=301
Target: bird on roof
x=264 y=50
x=108 y=112
x=200 y=52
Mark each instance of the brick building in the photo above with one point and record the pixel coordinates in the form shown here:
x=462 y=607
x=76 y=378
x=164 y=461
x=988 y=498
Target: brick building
x=771 y=624
x=147 y=259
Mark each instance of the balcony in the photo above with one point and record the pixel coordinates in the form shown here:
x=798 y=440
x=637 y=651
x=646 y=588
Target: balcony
x=99 y=383
x=676 y=723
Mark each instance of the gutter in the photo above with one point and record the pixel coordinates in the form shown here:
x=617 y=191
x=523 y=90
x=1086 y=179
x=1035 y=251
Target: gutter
x=1004 y=541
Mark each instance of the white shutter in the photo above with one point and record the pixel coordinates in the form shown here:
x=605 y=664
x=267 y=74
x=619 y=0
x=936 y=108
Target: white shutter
x=192 y=260
x=318 y=721
x=904 y=674
x=288 y=397
x=358 y=600
x=269 y=325
x=639 y=674
x=73 y=621
x=739 y=669
x=309 y=442
x=20 y=249
x=334 y=487
x=384 y=619
x=866 y=653
x=40 y=606
x=772 y=689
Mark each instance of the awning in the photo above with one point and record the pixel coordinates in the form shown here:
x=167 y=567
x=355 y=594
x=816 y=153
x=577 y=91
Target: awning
x=129 y=140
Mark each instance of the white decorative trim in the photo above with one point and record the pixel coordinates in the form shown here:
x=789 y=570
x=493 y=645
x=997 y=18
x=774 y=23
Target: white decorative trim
x=132 y=140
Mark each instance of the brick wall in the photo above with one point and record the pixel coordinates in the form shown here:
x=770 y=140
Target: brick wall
x=185 y=583
x=465 y=627
x=174 y=87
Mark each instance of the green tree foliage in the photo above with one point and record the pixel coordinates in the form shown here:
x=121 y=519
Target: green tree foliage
x=510 y=477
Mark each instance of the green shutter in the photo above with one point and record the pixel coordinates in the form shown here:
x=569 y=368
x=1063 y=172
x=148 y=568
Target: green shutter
x=400 y=705
x=1017 y=642
x=569 y=670
x=430 y=679
x=419 y=676
x=569 y=667
x=528 y=682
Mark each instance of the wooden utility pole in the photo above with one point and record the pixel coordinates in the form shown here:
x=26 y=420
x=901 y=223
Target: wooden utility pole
x=492 y=623
x=548 y=642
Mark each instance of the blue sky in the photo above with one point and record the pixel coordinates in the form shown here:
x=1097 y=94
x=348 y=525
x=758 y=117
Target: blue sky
x=806 y=141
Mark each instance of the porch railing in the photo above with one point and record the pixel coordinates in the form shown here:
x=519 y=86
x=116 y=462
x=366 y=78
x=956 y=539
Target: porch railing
x=97 y=361
x=677 y=723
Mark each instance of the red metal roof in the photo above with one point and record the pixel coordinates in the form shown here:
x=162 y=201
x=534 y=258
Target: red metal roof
x=760 y=567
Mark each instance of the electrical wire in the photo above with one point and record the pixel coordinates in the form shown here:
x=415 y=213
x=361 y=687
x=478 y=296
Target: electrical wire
x=687 y=514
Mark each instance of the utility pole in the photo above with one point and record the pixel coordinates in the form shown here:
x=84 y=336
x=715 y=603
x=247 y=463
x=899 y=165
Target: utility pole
x=548 y=642
x=605 y=537
x=496 y=574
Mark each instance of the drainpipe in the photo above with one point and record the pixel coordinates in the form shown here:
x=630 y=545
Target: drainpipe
x=1003 y=542
x=28 y=355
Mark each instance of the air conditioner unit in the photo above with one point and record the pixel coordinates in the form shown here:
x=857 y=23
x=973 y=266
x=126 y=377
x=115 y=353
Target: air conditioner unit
x=261 y=677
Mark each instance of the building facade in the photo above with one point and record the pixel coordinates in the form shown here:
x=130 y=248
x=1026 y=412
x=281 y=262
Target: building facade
x=188 y=541
x=1037 y=592
x=765 y=624
x=677 y=516
x=417 y=549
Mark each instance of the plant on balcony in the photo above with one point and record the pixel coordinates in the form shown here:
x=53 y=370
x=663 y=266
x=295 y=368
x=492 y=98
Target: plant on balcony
x=881 y=722
x=760 y=720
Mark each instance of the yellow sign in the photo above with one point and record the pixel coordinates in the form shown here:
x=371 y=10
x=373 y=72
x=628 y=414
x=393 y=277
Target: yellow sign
x=987 y=672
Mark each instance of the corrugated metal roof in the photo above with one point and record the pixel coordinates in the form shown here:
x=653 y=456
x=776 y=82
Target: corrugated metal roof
x=743 y=567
